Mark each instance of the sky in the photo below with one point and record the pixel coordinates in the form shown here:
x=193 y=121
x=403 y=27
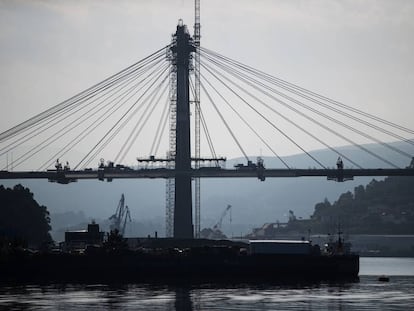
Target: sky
x=356 y=52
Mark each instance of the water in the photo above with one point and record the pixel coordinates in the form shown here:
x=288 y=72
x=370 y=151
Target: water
x=367 y=294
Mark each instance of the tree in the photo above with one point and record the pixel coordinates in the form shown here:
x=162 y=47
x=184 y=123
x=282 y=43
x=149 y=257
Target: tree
x=345 y=200
x=322 y=210
x=359 y=192
x=115 y=242
x=21 y=217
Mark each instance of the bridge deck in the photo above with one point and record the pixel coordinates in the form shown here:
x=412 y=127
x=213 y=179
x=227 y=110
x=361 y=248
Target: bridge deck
x=110 y=174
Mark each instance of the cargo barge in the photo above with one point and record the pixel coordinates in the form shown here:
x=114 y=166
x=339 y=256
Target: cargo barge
x=201 y=261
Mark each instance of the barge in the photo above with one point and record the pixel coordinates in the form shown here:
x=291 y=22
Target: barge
x=170 y=260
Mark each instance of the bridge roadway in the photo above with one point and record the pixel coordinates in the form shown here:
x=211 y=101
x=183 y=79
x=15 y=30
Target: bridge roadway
x=67 y=176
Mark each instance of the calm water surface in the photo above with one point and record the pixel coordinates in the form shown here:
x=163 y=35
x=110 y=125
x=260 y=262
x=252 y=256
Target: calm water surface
x=367 y=294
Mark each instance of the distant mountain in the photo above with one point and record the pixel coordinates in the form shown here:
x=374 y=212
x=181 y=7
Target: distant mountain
x=254 y=202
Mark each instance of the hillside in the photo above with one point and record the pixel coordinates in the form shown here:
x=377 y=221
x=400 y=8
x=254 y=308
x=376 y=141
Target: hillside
x=380 y=207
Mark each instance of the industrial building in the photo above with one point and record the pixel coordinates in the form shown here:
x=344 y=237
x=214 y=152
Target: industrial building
x=79 y=240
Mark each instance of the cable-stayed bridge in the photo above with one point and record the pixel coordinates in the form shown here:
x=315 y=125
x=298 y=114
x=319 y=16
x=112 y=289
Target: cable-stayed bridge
x=142 y=115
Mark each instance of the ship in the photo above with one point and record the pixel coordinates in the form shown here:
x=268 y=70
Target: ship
x=164 y=260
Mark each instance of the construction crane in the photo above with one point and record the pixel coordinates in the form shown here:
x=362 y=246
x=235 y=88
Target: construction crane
x=217 y=226
x=197 y=154
x=215 y=233
x=121 y=216
x=127 y=217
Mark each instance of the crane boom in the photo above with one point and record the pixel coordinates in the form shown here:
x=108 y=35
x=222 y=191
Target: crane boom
x=127 y=217
x=119 y=219
x=219 y=223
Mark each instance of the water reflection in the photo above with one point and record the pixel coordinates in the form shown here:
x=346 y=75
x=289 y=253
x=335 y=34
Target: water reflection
x=183 y=299
x=398 y=294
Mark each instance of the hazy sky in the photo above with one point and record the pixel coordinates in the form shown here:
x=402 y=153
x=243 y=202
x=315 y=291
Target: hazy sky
x=357 y=52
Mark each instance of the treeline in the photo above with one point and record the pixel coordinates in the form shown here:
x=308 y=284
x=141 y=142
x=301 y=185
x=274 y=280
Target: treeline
x=23 y=222
x=381 y=207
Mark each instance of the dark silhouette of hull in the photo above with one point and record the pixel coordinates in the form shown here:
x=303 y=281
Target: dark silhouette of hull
x=175 y=267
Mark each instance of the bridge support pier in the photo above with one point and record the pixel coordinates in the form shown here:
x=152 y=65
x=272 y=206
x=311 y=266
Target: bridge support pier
x=183 y=217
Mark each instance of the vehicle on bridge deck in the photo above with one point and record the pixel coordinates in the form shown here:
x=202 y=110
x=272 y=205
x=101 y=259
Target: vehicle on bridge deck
x=251 y=166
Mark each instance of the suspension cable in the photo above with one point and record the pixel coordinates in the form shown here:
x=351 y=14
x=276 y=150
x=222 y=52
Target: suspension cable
x=116 y=124
x=58 y=118
x=204 y=124
x=311 y=119
x=160 y=129
x=246 y=123
x=225 y=123
x=137 y=130
x=74 y=99
x=266 y=119
x=130 y=93
x=238 y=75
x=304 y=130
x=54 y=137
x=279 y=81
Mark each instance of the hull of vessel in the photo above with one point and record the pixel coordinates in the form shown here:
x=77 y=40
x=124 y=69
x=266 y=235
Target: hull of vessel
x=130 y=267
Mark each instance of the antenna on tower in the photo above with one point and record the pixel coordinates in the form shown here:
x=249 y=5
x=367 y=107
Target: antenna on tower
x=197 y=36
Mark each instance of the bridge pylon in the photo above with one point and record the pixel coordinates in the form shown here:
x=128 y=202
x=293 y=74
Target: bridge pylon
x=181 y=52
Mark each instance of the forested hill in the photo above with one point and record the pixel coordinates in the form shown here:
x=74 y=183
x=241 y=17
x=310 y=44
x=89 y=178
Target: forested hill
x=381 y=207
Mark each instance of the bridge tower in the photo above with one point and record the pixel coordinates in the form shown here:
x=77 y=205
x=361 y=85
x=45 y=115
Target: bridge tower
x=181 y=53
